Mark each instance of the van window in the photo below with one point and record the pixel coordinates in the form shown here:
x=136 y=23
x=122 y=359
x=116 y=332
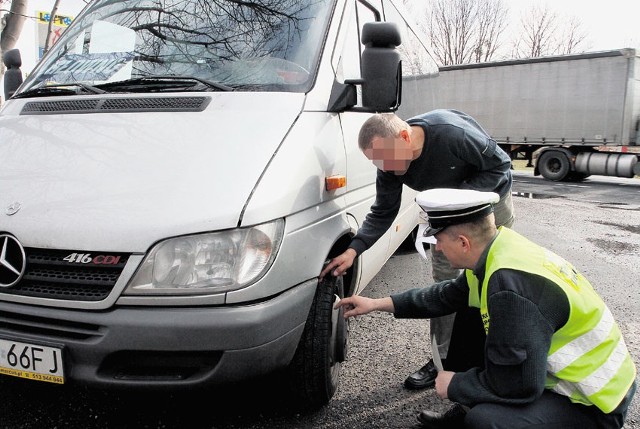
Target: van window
x=349 y=61
x=259 y=46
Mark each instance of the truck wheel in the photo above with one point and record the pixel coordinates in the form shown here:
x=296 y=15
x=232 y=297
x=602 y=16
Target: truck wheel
x=315 y=367
x=554 y=165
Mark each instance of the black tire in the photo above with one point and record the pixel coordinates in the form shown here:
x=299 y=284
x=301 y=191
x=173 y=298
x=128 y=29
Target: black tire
x=554 y=165
x=315 y=368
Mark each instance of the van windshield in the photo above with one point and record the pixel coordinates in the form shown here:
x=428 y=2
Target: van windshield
x=140 y=45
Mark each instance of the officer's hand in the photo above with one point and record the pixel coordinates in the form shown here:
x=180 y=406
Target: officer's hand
x=340 y=263
x=356 y=305
x=442 y=383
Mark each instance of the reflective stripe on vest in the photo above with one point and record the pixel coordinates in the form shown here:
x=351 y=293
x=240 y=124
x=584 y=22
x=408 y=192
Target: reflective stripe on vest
x=568 y=353
x=588 y=360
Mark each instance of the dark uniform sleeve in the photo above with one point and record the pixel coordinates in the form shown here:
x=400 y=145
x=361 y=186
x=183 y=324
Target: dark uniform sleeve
x=383 y=211
x=437 y=300
x=525 y=310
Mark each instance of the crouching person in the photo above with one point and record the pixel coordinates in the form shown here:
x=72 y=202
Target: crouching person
x=553 y=356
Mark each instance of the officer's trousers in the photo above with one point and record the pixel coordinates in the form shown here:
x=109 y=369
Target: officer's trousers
x=550 y=411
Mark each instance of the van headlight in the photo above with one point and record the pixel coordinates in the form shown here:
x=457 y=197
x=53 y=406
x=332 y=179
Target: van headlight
x=208 y=263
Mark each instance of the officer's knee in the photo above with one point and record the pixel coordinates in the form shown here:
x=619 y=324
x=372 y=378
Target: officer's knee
x=481 y=417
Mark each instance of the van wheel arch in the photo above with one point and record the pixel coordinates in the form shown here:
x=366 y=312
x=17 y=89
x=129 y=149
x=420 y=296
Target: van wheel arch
x=350 y=277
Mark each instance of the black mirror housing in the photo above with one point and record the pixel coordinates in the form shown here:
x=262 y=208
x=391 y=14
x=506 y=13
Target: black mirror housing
x=13 y=75
x=381 y=67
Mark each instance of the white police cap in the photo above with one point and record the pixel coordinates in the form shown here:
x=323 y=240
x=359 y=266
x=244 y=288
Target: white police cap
x=445 y=207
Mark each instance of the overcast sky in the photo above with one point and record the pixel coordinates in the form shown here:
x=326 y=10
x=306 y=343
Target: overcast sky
x=612 y=24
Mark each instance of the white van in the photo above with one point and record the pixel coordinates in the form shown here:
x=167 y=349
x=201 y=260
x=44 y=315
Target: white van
x=174 y=176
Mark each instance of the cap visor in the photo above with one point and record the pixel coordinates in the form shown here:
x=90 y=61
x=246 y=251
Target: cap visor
x=430 y=232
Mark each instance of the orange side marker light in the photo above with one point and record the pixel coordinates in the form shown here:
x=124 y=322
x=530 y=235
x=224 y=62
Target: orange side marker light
x=335 y=182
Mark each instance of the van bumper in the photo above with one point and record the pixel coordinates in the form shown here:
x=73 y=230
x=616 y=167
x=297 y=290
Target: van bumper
x=156 y=347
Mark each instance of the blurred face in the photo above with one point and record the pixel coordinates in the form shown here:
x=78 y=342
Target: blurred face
x=391 y=153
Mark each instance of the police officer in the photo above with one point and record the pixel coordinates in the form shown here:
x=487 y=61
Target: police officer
x=554 y=356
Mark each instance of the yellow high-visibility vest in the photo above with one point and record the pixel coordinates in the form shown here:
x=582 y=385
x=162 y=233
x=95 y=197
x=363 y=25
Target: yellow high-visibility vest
x=588 y=360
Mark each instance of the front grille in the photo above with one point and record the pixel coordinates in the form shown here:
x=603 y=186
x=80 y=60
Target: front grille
x=21 y=324
x=49 y=275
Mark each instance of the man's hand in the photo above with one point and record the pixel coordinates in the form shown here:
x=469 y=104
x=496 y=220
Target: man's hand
x=357 y=305
x=442 y=383
x=340 y=263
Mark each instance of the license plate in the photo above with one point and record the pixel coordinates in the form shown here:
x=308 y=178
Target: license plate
x=31 y=361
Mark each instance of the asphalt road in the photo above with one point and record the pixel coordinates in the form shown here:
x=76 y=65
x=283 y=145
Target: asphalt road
x=597 y=189
x=594 y=224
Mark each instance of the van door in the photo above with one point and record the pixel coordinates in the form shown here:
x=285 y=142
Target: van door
x=361 y=172
x=417 y=65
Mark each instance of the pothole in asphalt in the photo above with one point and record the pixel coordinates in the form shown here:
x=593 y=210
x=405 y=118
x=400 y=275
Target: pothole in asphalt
x=617 y=206
x=635 y=229
x=613 y=246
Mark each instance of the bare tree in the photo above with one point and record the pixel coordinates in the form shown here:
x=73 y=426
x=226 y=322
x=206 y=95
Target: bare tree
x=546 y=33
x=491 y=24
x=463 y=31
x=572 y=37
x=538 y=28
x=450 y=29
x=12 y=21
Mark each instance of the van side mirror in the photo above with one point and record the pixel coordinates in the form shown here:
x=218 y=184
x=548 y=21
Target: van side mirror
x=381 y=71
x=381 y=67
x=13 y=75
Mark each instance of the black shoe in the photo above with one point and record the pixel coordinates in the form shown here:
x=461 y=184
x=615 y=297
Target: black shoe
x=422 y=378
x=453 y=418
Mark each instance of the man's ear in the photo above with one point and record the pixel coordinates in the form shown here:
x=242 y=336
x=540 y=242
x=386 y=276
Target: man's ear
x=405 y=135
x=464 y=241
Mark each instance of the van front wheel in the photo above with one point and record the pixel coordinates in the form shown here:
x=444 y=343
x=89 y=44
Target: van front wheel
x=315 y=367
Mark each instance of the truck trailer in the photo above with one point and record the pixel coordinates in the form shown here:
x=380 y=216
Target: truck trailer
x=574 y=115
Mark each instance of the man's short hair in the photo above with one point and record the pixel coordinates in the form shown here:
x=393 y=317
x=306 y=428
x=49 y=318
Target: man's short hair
x=380 y=125
x=482 y=229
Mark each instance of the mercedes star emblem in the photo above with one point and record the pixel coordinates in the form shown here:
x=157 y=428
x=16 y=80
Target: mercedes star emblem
x=12 y=261
x=13 y=208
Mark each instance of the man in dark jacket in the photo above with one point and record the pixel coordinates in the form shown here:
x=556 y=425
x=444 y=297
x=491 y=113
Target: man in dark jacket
x=441 y=148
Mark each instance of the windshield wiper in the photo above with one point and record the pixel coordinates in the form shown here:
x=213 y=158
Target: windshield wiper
x=60 y=89
x=164 y=83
